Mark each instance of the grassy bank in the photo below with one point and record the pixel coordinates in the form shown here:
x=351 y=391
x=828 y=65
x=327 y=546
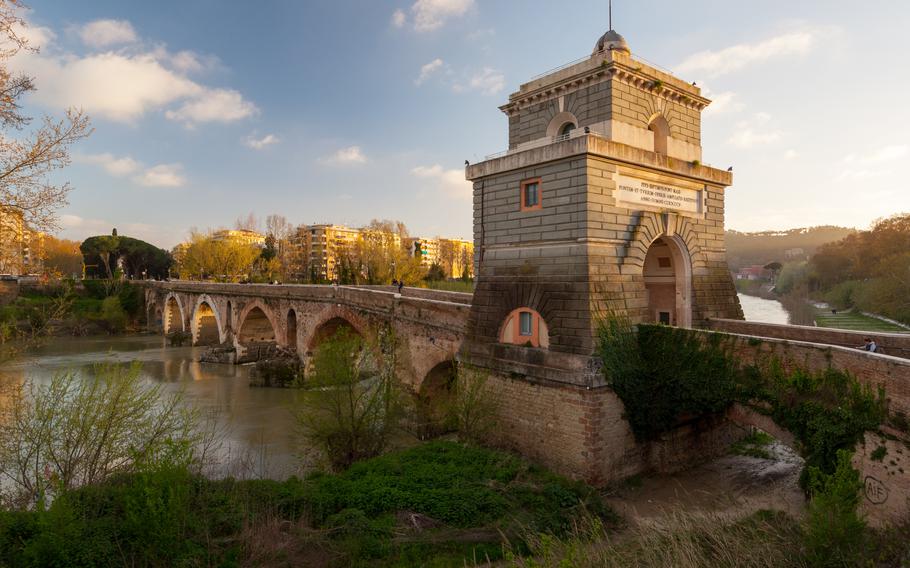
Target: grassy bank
x=854 y=320
x=439 y=504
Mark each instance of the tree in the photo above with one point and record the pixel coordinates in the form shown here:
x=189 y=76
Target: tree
x=62 y=257
x=138 y=258
x=350 y=409
x=383 y=256
x=224 y=260
x=26 y=162
x=250 y=223
x=82 y=430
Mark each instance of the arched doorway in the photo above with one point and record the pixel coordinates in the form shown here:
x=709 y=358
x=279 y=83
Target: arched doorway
x=256 y=328
x=668 y=281
x=292 y=330
x=229 y=316
x=205 y=326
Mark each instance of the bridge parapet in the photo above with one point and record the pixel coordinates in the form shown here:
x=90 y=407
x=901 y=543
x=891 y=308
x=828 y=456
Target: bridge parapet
x=896 y=344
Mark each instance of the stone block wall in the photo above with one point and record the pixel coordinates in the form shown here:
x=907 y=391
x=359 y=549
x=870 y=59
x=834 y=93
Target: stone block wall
x=581 y=433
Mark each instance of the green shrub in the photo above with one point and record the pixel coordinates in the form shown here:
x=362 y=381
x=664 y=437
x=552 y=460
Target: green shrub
x=834 y=532
x=663 y=373
x=112 y=318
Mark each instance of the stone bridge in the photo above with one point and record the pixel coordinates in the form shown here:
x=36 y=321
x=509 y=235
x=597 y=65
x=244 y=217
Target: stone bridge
x=297 y=318
x=574 y=426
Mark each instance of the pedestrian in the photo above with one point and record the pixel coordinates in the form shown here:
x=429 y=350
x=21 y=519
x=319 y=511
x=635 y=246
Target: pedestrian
x=869 y=345
x=394 y=282
x=400 y=285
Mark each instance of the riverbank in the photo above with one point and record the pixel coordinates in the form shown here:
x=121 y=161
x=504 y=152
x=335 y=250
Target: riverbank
x=439 y=504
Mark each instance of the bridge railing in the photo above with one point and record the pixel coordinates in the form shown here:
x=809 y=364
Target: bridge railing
x=895 y=344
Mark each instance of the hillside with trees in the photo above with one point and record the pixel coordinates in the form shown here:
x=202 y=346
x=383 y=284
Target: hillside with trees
x=761 y=248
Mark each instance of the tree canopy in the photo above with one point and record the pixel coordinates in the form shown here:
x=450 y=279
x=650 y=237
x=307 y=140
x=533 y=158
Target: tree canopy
x=104 y=254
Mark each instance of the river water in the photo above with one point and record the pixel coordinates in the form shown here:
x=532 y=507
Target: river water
x=762 y=310
x=257 y=425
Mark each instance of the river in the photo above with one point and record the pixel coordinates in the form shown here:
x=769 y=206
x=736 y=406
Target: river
x=762 y=310
x=257 y=425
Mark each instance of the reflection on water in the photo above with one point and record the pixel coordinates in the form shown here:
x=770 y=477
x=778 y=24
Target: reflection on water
x=762 y=310
x=261 y=436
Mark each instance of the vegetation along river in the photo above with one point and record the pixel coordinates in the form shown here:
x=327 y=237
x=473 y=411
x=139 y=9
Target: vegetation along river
x=257 y=426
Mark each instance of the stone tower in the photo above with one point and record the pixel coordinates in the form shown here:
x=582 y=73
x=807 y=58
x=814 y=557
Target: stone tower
x=601 y=203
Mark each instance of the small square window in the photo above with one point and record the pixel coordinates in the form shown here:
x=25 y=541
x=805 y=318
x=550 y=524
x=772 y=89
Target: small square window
x=525 y=324
x=530 y=194
x=663 y=318
x=664 y=262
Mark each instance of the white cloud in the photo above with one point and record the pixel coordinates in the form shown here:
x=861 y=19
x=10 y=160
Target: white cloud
x=429 y=15
x=399 y=18
x=754 y=132
x=163 y=175
x=125 y=85
x=791 y=154
x=347 y=156
x=884 y=154
x=487 y=81
x=213 y=105
x=427 y=70
x=113 y=165
x=722 y=103
x=450 y=182
x=260 y=143
x=105 y=33
x=864 y=166
x=733 y=58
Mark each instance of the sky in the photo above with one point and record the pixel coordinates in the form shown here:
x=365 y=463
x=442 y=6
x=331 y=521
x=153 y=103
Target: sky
x=345 y=111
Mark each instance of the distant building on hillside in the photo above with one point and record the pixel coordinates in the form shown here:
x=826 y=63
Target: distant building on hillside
x=754 y=272
x=21 y=249
x=795 y=253
x=317 y=251
x=241 y=236
x=453 y=255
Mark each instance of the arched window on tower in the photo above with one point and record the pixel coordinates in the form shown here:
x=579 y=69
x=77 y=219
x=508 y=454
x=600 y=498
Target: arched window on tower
x=524 y=326
x=661 y=129
x=566 y=129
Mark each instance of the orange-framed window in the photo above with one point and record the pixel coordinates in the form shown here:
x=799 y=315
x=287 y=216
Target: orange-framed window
x=531 y=195
x=524 y=326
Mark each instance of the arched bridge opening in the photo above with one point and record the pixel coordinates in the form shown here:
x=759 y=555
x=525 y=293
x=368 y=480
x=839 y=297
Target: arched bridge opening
x=173 y=316
x=434 y=401
x=205 y=325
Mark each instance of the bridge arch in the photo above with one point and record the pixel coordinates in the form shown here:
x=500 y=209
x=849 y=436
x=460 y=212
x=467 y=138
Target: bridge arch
x=173 y=314
x=256 y=324
x=206 y=326
x=329 y=322
x=667 y=274
x=434 y=398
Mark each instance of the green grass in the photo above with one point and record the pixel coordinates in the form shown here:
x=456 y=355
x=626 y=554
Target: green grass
x=451 y=286
x=467 y=497
x=852 y=320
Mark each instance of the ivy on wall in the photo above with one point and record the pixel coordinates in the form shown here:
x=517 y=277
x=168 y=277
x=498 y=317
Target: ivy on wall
x=667 y=375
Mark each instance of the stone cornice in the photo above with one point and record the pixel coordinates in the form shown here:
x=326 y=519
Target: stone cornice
x=630 y=72
x=602 y=147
